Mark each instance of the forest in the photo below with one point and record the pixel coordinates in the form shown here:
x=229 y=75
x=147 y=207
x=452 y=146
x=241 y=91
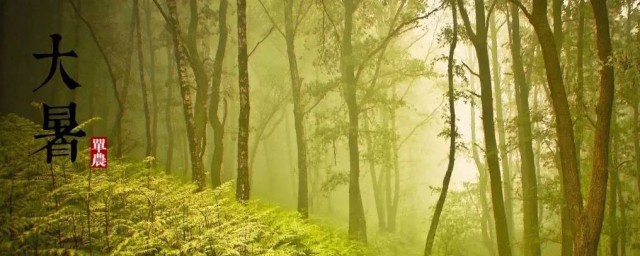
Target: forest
x=320 y=127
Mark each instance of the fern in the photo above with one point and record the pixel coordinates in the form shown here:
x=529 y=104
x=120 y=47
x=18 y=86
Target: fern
x=133 y=209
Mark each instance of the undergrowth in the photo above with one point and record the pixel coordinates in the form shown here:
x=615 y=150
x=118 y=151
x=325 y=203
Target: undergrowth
x=132 y=209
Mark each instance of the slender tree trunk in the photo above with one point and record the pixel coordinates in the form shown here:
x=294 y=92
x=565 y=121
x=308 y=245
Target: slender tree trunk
x=613 y=188
x=152 y=79
x=531 y=238
x=201 y=96
x=143 y=83
x=452 y=136
x=242 y=182
x=120 y=97
x=357 y=221
x=502 y=140
x=185 y=156
x=168 y=114
x=303 y=190
x=567 y=234
x=558 y=35
x=187 y=105
x=393 y=195
x=214 y=120
x=636 y=132
x=2 y=35
x=376 y=182
x=587 y=242
x=486 y=222
x=479 y=40
x=623 y=218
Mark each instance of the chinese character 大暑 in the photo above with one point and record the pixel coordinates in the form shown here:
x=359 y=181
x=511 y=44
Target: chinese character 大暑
x=62 y=121
x=55 y=60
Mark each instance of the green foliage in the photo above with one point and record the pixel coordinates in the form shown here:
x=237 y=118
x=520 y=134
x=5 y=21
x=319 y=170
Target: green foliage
x=131 y=209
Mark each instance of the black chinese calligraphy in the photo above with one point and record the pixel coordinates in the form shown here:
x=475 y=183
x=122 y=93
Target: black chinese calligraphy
x=62 y=120
x=55 y=61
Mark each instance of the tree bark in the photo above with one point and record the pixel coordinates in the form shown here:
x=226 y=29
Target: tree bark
x=393 y=194
x=613 y=189
x=531 y=237
x=242 y=181
x=298 y=115
x=168 y=114
x=214 y=104
x=143 y=83
x=120 y=97
x=202 y=94
x=623 y=218
x=486 y=222
x=152 y=79
x=479 y=40
x=185 y=91
x=587 y=243
x=586 y=220
x=567 y=235
x=452 y=136
x=357 y=221
x=376 y=182
x=502 y=140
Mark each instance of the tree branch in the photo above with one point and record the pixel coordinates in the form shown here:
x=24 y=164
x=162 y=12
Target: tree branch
x=466 y=21
x=471 y=71
x=263 y=39
x=395 y=32
x=522 y=8
x=489 y=13
x=275 y=25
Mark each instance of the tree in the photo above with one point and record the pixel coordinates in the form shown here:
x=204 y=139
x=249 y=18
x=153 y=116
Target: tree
x=242 y=182
x=120 y=94
x=185 y=92
x=586 y=219
x=479 y=41
x=143 y=83
x=452 y=135
x=500 y=123
x=214 y=104
x=357 y=221
x=531 y=226
x=298 y=111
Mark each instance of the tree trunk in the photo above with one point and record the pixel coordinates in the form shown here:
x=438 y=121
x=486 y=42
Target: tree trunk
x=201 y=97
x=168 y=114
x=613 y=189
x=181 y=59
x=587 y=243
x=586 y=221
x=303 y=190
x=216 y=79
x=452 y=137
x=479 y=40
x=636 y=133
x=567 y=235
x=623 y=218
x=486 y=223
x=357 y=221
x=120 y=97
x=531 y=238
x=502 y=140
x=143 y=83
x=242 y=182
x=393 y=195
x=152 y=79
x=376 y=182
